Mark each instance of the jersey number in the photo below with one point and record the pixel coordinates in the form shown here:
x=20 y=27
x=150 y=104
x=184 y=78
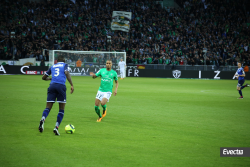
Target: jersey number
x=56 y=72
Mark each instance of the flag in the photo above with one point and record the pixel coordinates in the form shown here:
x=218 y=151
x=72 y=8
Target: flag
x=121 y=21
x=140 y=66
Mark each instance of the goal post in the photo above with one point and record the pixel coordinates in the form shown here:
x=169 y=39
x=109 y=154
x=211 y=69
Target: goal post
x=91 y=61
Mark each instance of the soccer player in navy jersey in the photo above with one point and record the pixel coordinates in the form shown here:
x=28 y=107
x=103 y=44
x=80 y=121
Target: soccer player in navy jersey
x=56 y=91
x=240 y=75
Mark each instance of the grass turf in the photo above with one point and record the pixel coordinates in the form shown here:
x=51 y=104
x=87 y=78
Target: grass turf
x=151 y=122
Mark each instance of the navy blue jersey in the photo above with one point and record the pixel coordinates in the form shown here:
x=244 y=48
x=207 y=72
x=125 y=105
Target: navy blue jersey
x=57 y=73
x=240 y=71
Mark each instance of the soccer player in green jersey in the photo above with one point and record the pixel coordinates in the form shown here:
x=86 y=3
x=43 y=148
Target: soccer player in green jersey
x=105 y=90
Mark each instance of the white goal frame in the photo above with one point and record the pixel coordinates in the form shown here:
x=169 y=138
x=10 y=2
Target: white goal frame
x=52 y=57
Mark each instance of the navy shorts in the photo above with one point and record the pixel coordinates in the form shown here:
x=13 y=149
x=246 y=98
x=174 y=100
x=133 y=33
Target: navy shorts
x=56 y=92
x=240 y=83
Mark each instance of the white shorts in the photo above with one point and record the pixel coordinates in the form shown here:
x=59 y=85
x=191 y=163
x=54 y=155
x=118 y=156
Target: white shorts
x=101 y=95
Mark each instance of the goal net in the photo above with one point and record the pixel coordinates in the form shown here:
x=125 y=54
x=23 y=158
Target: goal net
x=86 y=63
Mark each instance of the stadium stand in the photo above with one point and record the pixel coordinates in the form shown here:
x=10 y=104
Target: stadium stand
x=158 y=35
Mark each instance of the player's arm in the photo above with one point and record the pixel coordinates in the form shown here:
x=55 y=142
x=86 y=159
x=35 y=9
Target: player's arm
x=116 y=87
x=243 y=74
x=116 y=84
x=96 y=75
x=236 y=75
x=46 y=75
x=68 y=76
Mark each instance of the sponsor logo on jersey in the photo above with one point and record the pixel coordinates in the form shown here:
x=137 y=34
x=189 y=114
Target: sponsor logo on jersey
x=106 y=80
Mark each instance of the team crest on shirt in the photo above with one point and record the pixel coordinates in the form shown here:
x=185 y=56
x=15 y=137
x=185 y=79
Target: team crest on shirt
x=176 y=73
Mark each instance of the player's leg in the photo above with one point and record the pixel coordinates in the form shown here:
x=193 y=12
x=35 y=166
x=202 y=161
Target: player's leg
x=44 y=116
x=104 y=101
x=59 y=118
x=61 y=99
x=98 y=99
x=104 y=106
x=247 y=85
x=60 y=114
x=51 y=97
x=240 y=92
x=121 y=73
x=47 y=110
x=97 y=109
x=239 y=85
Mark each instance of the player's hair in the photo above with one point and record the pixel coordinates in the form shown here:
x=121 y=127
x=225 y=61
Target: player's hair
x=60 y=58
x=109 y=60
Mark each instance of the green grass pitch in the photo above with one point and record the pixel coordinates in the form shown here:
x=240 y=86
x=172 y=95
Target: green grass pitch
x=151 y=122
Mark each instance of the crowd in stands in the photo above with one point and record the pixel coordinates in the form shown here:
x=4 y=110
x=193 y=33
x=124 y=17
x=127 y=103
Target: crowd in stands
x=158 y=35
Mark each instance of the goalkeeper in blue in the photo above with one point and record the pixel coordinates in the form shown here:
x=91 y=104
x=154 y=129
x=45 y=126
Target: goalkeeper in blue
x=105 y=90
x=56 y=91
x=240 y=75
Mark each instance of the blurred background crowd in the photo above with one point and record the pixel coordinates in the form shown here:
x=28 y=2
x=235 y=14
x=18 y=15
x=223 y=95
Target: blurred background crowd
x=158 y=35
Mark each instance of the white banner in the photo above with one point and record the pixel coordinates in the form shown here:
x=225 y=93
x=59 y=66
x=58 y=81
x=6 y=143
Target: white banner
x=121 y=21
x=29 y=61
x=12 y=62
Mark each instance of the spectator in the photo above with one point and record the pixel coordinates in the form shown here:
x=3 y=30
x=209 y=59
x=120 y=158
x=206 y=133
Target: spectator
x=42 y=63
x=79 y=63
x=181 y=62
x=155 y=61
x=246 y=68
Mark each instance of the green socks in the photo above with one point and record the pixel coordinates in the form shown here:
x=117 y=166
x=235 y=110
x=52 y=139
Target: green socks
x=97 y=110
x=104 y=107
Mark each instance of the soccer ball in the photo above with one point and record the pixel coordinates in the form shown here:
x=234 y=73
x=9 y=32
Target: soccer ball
x=70 y=129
